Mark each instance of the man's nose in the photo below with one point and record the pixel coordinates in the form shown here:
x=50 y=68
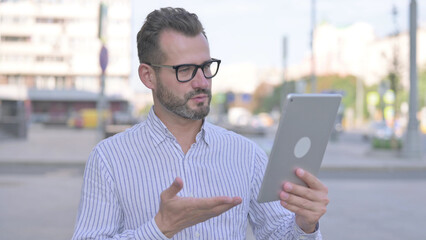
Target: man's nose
x=200 y=81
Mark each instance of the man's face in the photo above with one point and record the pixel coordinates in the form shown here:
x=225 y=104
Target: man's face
x=181 y=106
x=189 y=100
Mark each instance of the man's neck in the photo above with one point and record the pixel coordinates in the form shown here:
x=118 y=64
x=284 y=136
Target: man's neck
x=184 y=130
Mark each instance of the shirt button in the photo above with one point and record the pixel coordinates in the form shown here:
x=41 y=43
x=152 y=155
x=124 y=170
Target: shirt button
x=197 y=234
x=191 y=195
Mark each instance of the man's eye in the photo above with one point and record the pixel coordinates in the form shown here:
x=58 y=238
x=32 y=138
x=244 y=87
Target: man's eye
x=184 y=69
x=207 y=65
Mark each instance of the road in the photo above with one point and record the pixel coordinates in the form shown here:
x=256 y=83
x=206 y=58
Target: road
x=40 y=201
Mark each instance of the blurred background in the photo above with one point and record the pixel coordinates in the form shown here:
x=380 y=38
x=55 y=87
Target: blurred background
x=68 y=79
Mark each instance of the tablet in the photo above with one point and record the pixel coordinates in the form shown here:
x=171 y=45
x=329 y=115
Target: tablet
x=301 y=139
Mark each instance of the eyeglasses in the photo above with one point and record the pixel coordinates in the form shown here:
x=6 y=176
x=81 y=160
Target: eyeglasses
x=186 y=72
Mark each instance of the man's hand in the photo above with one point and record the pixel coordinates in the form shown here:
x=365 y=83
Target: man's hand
x=177 y=213
x=308 y=203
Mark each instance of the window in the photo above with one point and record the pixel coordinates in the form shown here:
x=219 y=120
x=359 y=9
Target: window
x=42 y=58
x=12 y=38
x=13 y=19
x=49 y=20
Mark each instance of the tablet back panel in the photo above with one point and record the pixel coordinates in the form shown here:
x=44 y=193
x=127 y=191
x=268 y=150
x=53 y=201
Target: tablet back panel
x=303 y=133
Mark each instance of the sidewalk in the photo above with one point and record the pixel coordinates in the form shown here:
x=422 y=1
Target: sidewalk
x=348 y=154
x=49 y=145
x=60 y=145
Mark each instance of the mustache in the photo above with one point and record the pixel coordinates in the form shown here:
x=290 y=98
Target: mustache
x=189 y=95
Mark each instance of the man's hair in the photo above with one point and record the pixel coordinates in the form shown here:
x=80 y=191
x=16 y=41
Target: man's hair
x=177 y=19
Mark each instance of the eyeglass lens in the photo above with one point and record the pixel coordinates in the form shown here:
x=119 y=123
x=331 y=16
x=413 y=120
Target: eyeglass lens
x=187 y=72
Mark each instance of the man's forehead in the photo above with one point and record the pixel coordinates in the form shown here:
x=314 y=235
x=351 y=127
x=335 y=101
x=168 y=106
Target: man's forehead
x=177 y=36
x=174 y=43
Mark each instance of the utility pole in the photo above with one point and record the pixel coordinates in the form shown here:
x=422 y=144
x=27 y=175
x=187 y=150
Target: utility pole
x=285 y=53
x=412 y=144
x=283 y=90
x=313 y=77
x=394 y=76
x=103 y=62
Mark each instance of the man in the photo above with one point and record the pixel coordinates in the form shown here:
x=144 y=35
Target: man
x=177 y=176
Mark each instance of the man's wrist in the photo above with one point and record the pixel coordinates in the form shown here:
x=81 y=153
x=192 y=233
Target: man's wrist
x=309 y=229
x=299 y=233
x=163 y=228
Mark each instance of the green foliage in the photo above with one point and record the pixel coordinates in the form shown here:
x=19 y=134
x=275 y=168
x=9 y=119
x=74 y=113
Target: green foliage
x=403 y=97
x=402 y=94
x=333 y=83
x=345 y=85
x=269 y=102
x=386 y=143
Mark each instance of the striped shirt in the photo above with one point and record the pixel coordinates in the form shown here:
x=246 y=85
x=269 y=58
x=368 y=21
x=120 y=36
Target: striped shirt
x=126 y=173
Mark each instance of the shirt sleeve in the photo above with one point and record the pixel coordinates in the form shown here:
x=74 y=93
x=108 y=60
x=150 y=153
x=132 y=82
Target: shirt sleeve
x=99 y=215
x=270 y=220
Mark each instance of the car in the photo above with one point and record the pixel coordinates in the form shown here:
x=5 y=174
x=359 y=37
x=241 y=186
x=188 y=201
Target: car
x=379 y=130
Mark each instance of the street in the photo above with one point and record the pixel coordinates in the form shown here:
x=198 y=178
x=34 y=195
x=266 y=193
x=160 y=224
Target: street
x=40 y=200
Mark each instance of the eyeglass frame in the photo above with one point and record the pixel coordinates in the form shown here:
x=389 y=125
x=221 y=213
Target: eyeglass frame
x=176 y=67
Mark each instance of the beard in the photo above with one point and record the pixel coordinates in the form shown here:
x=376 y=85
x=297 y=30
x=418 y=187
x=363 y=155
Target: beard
x=180 y=106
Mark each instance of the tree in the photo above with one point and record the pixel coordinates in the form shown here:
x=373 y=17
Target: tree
x=271 y=97
x=345 y=85
x=422 y=87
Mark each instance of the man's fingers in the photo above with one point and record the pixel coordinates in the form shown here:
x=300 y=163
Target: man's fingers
x=308 y=203
x=310 y=180
x=223 y=206
x=305 y=193
x=170 y=192
x=297 y=201
x=214 y=202
x=237 y=200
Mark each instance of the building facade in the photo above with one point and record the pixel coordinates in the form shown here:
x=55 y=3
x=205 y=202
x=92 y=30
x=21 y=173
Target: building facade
x=50 y=50
x=356 y=50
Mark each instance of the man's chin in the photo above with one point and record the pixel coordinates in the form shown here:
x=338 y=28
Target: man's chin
x=200 y=112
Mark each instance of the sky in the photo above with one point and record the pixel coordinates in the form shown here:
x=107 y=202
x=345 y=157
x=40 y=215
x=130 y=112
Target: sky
x=252 y=31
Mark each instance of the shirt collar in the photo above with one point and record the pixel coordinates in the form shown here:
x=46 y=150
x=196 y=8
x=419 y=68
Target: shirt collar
x=159 y=131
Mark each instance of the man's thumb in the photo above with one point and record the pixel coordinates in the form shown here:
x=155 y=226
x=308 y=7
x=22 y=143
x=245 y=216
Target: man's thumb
x=176 y=186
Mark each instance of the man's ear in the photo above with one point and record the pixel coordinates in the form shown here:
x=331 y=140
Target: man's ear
x=146 y=75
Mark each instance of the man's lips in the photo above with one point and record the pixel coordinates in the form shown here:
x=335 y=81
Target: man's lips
x=200 y=98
